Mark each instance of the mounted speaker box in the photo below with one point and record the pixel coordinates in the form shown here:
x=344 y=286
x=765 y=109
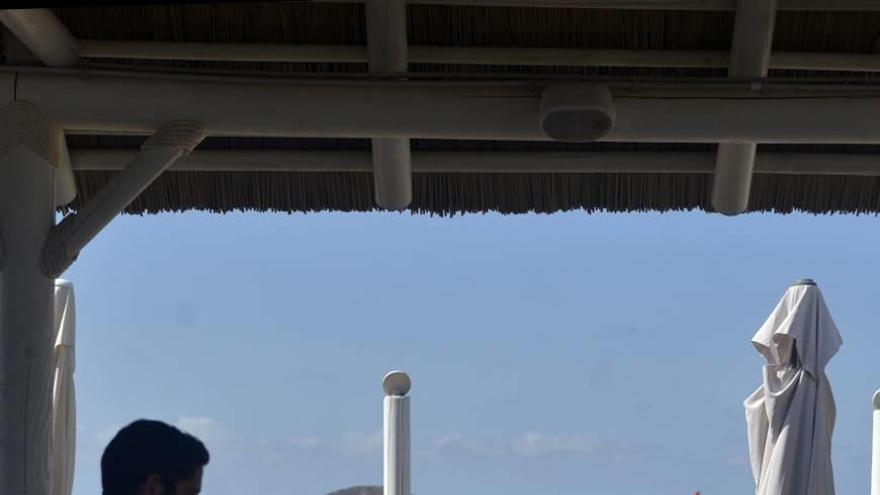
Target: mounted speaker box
x=576 y=113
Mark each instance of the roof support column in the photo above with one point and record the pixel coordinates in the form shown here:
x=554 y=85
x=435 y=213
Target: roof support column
x=28 y=161
x=37 y=36
x=749 y=58
x=387 y=53
x=70 y=236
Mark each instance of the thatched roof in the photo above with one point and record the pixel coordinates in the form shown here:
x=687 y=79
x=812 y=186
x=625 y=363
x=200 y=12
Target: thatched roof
x=467 y=26
x=457 y=25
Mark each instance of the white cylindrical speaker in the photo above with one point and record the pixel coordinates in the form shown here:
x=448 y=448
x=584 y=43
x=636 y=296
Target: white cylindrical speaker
x=576 y=113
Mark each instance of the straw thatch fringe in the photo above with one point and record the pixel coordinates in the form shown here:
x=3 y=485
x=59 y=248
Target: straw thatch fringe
x=460 y=193
x=816 y=194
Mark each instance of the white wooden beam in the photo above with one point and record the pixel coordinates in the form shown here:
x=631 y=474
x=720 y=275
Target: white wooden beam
x=70 y=236
x=815 y=61
x=222 y=52
x=819 y=5
x=38 y=33
x=65 y=186
x=493 y=111
x=732 y=181
x=749 y=58
x=386 y=35
x=15 y=52
x=27 y=213
x=495 y=162
x=392 y=172
x=468 y=55
x=752 y=38
x=43 y=34
x=851 y=5
x=387 y=53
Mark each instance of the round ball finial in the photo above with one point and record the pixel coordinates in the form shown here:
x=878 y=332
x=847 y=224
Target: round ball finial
x=396 y=383
x=877 y=401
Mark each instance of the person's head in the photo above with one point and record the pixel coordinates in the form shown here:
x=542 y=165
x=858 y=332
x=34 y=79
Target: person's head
x=153 y=458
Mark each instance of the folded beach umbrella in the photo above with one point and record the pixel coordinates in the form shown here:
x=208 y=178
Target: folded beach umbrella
x=63 y=398
x=790 y=417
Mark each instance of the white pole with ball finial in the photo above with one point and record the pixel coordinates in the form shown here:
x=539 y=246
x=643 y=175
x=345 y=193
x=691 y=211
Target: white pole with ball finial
x=397 y=440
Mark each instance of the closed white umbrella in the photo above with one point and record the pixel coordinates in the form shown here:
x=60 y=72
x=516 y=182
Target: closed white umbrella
x=790 y=416
x=63 y=397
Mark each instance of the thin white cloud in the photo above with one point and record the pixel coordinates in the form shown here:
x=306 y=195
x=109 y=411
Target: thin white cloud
x=103 y=437
x=530 y=444
x=222 y=440
x=208 y=430
x=227 y=445
x=356 y=443
x=537 y=444
x=455 y=445
x=304 y=442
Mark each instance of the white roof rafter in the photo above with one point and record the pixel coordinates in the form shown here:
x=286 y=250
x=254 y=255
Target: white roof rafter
x=749 y=58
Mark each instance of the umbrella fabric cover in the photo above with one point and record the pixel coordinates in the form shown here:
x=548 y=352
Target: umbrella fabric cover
x=790 y=417
x=63 y=398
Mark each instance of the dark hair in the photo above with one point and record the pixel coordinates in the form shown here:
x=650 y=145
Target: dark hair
x=148 y=447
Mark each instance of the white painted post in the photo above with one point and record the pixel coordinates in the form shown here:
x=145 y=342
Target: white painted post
x=27 y=212
x=875 y=450
x=397 y=433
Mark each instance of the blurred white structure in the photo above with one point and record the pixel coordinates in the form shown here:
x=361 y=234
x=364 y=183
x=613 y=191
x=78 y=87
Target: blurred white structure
x=63 y=392
x=397 y=433
x=875 y=451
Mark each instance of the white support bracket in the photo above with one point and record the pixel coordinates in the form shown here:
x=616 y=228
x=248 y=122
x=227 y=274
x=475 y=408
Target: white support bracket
x=387 y=53
x=749 y=58
x=70 y=236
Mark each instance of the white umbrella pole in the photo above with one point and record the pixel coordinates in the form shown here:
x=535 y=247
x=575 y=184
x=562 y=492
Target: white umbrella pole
x=397 y=434
x=63 y=393
x=875 y=451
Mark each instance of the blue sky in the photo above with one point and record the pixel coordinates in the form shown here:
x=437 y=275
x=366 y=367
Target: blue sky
x=562 y=354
